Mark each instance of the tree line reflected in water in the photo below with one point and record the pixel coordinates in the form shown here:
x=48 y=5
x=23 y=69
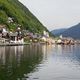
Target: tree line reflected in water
x=16 y=61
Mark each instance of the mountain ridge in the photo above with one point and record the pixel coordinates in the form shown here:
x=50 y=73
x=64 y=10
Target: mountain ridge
x=73 y=32
x=58 y=32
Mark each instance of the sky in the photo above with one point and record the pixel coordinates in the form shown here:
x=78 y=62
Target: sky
x=55 y=14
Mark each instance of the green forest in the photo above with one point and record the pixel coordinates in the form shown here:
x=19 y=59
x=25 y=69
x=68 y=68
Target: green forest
x=20 y=15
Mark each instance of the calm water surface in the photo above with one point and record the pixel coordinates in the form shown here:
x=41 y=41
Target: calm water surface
x=40 y=62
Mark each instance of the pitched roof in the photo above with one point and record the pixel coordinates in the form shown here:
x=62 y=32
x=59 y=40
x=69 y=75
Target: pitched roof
x=13 y=34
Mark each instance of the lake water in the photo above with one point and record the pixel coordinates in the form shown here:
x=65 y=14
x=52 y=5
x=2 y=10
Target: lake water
x=40 y=62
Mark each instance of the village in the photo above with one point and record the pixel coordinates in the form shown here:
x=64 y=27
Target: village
x=22 y=37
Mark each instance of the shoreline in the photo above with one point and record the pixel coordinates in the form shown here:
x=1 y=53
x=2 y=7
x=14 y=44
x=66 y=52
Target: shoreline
x=13 y=44
x=22 y=44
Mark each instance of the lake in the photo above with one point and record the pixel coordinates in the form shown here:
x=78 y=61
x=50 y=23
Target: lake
x=40 y=62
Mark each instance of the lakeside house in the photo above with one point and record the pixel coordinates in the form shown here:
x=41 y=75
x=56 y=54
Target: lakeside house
x=10 y=37
x=65 y=40
x=45 y=36
x=3 y=33
x=14 y=38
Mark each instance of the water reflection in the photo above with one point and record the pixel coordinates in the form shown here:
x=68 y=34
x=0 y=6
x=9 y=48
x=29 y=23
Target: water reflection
x=40 y=62
x=71 y=52
x=59 y=63
x=17 y=61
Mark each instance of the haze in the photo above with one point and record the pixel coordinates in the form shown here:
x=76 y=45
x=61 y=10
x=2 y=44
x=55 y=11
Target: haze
x=55 y=14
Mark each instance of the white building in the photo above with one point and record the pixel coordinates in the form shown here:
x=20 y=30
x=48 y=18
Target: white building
x=45 y=33
x=15 y=39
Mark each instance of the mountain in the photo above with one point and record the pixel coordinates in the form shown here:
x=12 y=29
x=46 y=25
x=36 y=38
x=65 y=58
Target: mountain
x=58 y=32
x=20 y=15
x=73 y=32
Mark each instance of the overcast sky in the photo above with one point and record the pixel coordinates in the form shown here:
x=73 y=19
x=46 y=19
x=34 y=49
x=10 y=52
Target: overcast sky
x=55 y=14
